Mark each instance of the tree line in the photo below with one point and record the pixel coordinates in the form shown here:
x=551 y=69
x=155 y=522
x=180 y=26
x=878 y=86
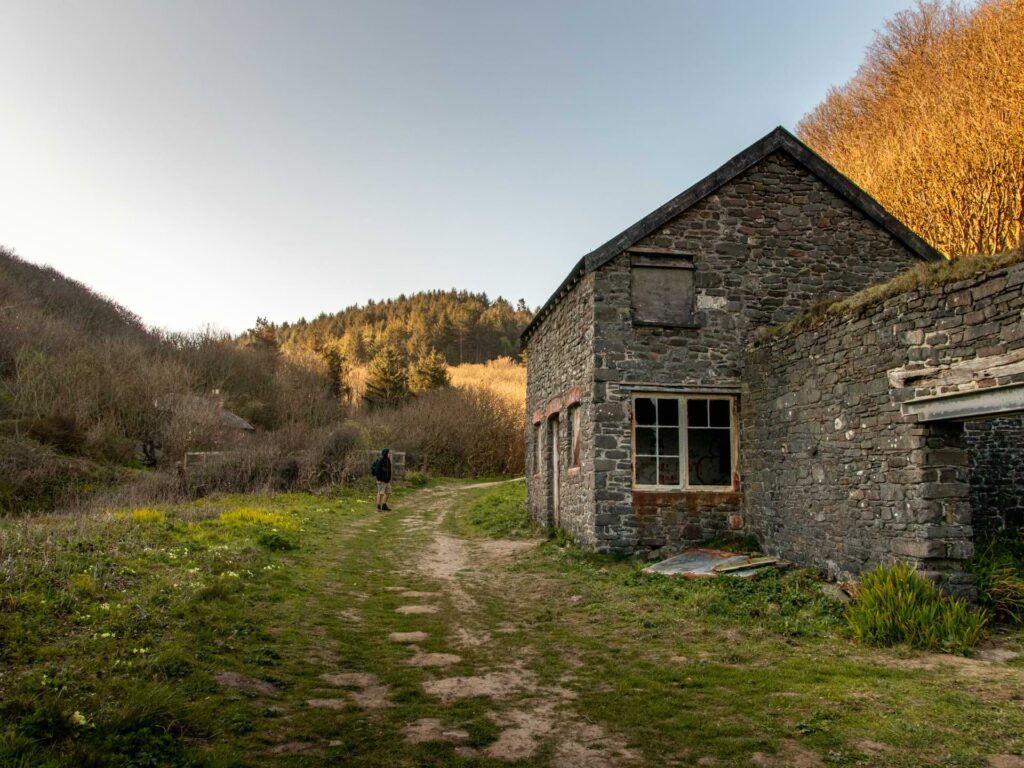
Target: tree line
x=932 y=124
x=463 y=327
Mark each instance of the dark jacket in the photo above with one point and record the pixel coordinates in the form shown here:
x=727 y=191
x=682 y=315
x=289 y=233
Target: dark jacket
x=382 y=468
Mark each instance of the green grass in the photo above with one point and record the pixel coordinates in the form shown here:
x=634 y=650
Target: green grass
x=113 y=629
x=498 y=512
x=930 y=275
x=897 y=605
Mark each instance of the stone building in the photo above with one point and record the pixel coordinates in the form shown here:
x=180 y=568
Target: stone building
x=637 y=363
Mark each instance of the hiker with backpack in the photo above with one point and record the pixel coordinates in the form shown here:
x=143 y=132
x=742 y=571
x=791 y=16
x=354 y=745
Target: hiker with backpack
x=381 y=470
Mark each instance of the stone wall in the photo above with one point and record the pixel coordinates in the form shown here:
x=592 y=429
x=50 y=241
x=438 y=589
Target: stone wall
x=836 y=476
x=764 y=247
x=996 y=474
x=559 y=376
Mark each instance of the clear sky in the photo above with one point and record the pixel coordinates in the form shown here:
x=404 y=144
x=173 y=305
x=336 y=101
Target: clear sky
x=204 y=162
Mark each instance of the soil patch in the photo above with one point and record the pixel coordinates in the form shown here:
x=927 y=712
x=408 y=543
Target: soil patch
x=433 y=660
x=369 y=693
x=245 y=684
x=413 y=610
x=431 y=729
x=328 y=703
x=408 y=637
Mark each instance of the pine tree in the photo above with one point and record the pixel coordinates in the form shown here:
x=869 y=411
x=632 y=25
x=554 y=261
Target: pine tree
x=430 y=371
x=337 y=369
x=387 y=379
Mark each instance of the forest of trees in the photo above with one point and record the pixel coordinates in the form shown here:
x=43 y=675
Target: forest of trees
x=932 y=125
x=463 y=327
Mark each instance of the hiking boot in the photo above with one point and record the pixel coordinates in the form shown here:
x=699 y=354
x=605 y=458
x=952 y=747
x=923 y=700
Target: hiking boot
x=378 y=508
x=385 y=508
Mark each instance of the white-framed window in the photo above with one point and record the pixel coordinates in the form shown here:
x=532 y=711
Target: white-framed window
x=684 y=442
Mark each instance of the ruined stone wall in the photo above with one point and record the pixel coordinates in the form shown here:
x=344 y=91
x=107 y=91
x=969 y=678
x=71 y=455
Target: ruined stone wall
x=836 y=476
x=559 y=376
x=996 y=474
x=764 y=246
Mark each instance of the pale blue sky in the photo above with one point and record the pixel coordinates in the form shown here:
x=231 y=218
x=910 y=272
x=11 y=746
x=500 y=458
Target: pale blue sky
x=207 y=162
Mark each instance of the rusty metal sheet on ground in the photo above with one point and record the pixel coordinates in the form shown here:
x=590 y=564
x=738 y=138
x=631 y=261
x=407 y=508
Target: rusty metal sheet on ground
x=700 y=563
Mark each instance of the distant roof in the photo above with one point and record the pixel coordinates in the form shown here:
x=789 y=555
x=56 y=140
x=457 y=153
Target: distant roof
x=206 y=407
x=778 y=140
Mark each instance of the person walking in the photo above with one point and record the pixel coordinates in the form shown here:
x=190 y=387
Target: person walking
x=382 y=471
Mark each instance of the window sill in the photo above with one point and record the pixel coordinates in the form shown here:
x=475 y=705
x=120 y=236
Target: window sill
x=675 y=489
x=674 y=326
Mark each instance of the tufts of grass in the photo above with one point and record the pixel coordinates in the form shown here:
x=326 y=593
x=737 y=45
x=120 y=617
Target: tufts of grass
x=896 y=605
x=921 y=276
x=998 y=568
x=498 y=512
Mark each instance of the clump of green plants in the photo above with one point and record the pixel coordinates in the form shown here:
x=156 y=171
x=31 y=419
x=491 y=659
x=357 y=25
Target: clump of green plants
x=998 y=569
x=276 y=541
x=897 y=605
x=417 y=479
x=258 y=517
x=143 y=515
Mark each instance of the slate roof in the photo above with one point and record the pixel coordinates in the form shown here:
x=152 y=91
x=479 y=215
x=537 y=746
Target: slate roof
x=778 y=140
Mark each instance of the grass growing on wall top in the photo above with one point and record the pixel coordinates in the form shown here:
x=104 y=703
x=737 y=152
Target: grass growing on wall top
x=920 y=276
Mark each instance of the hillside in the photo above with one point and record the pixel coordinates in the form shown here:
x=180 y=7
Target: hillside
x=932 y=125
x=93 y=401
x=464 y=327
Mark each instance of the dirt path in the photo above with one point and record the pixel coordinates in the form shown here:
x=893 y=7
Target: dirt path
x=534 y=717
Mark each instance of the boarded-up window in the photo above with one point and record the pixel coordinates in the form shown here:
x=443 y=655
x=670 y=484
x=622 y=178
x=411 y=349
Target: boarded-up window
x=662 y=290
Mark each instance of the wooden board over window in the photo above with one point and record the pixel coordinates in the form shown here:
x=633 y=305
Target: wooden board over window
x=662 y=289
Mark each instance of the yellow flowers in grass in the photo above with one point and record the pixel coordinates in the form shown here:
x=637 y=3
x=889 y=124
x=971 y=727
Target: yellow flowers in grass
x=258 y=517
x=143 y=515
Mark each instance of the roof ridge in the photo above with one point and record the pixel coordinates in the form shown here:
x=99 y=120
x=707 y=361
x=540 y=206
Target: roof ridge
x=777 y=139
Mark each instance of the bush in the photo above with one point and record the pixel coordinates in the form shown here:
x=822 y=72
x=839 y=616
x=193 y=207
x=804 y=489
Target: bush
x=998 y=568
x=895 y=604
x=35 y=477
x=453 y=431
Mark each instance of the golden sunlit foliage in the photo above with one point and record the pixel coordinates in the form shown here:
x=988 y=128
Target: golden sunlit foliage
x=932 y=125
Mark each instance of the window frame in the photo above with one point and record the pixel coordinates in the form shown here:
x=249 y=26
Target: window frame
x=654 y=260
x=573 y=423
x=538 y=449
x=684 y=442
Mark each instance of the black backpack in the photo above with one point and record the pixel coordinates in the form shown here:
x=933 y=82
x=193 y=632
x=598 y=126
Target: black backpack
x=375 y=467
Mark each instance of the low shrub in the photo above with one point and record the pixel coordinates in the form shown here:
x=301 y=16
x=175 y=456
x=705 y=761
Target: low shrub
x=998 y=568
x=275 y=541
x=897 y=605
x=417 y=479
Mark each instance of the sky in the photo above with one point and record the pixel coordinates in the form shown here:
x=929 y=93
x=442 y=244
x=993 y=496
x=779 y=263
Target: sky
x=207 y=162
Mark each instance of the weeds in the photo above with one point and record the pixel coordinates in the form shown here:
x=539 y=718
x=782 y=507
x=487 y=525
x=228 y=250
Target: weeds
x=897 y=605
x=998 y=568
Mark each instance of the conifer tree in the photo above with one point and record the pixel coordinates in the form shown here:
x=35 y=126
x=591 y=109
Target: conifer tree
x=387 y=379
x=430 y=371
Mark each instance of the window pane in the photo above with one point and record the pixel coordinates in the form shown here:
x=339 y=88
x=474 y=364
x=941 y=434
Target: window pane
x=719 y=413
x=668 y=412
x=668 y=441
x=646 y=443
x=709 y=456
x=697 y=413
x=668 y=471
x=646 y=471
x=644 y=410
